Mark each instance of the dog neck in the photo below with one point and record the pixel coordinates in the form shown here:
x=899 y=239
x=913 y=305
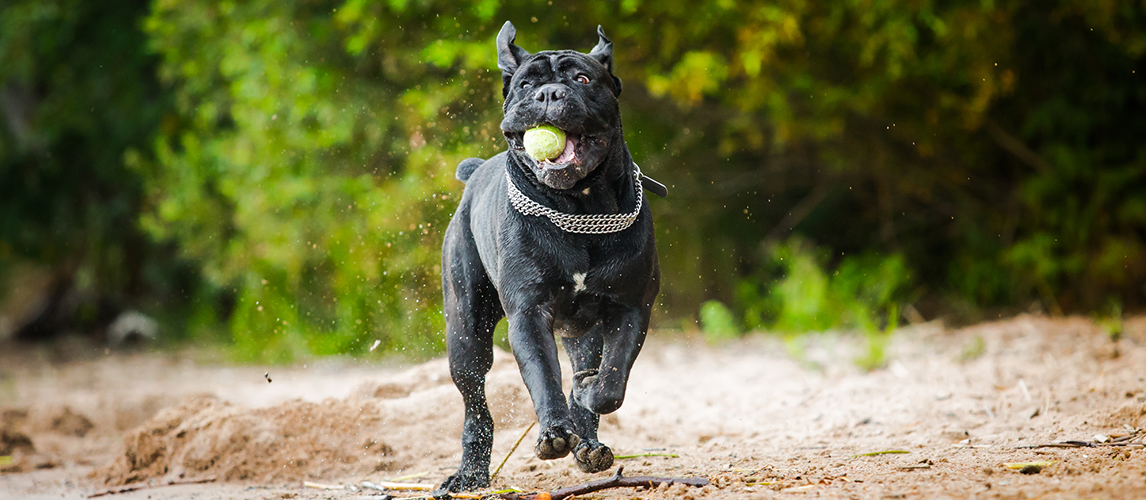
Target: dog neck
x=608 y=189
x=578 y=223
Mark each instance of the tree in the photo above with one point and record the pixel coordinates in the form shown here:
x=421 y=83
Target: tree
x=78 y=95
x=989 y=150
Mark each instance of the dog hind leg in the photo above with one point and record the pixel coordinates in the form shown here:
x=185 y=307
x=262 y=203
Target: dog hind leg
x=472 y=312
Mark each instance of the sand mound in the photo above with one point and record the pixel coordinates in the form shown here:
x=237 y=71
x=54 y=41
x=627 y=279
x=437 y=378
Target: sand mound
x=69 y=423
x=12 y=441
x=1131 y=414
x=34 y=438
x=385 y=425
x=207 y=437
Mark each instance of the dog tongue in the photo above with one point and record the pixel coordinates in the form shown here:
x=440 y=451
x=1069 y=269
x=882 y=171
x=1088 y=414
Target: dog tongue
x=567 y=155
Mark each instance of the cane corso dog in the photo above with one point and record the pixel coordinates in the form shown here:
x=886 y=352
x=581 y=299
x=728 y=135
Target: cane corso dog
x=562 y=246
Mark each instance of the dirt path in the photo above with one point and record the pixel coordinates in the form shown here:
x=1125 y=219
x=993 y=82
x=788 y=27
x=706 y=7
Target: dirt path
x=755 y=419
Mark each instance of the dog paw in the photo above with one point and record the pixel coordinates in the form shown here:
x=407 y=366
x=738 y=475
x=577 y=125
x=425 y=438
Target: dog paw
x=592 y=456
x=556 y=442
x=465 y=481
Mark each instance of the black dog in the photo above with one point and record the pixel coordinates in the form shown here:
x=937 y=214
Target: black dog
x=563 y=246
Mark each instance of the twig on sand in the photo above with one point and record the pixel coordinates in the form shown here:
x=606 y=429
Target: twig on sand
x=883 y=452
x=1132 y=439
x=1063 y=444
x=484 y=494
x=642 y=455
x=321 y=486
x=140 y=486
x=511 y=450
x=616 y=481
x=389 y=485
x=442 y=495
x=799 y=489
x=409 y=476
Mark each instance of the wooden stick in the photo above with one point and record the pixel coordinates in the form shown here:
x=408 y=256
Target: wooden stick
x=388 y=485
x=642 y=455
x=409 y=476
x=484 y=494
x=141 y=486
x=617 y=481
x=321 y=486
x=511 y=450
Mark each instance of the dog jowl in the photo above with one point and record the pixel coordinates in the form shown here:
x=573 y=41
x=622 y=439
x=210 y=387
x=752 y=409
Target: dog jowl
x=559 y=247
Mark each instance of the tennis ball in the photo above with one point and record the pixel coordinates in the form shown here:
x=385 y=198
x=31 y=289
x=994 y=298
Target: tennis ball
x=544 y=142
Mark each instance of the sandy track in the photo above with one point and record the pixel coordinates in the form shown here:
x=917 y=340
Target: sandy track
x=756 y=419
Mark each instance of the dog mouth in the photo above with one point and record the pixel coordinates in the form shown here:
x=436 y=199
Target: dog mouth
x=579 y=157
x=571 y=155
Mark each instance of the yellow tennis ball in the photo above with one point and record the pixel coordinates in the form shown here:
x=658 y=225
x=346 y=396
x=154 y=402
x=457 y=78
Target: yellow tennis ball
x=544 y=142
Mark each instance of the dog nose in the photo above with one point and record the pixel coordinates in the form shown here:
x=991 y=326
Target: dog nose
x=550 y=93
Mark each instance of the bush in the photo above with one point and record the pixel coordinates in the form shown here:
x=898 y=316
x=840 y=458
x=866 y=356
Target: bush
x=717 y=322
x=803 y=291
x=288 y=166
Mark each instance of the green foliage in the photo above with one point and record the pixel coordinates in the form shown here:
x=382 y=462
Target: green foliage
x=717 y=321
x=1111 y=322
x=309 y=171
x=973 y=349
x=77 y=96
x=987 y=143
x=808 y=292
x=798 y=292
x=301 y=154
x=876 y=342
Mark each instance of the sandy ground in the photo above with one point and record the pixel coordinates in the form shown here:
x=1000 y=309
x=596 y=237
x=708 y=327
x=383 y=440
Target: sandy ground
x=758 y=418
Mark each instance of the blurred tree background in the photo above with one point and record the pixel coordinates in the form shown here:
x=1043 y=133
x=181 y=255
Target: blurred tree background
x=278 y=174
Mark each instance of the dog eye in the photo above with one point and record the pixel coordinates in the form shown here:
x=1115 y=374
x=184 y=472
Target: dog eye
x=526 y=85
x=582 y=79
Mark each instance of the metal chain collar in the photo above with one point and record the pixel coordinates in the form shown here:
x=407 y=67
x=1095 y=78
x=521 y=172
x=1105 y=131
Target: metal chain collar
x=578 y=223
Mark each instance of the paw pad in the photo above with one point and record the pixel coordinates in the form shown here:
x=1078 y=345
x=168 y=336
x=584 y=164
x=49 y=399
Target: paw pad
x=593 y=457
x=556 y=442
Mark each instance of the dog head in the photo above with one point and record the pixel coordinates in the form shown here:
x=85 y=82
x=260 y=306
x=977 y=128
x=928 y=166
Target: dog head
x=574 y=92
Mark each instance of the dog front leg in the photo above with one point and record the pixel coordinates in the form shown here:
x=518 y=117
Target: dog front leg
x=585 y=353
x=534 y=347
x=623 y=336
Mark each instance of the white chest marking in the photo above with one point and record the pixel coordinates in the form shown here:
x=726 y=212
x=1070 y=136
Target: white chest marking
x=578 y=282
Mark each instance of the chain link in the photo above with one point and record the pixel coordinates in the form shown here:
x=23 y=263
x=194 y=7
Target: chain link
x=578 y=223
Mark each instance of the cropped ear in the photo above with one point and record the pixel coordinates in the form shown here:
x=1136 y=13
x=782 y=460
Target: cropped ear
x=603 y=53
x=509 y=56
